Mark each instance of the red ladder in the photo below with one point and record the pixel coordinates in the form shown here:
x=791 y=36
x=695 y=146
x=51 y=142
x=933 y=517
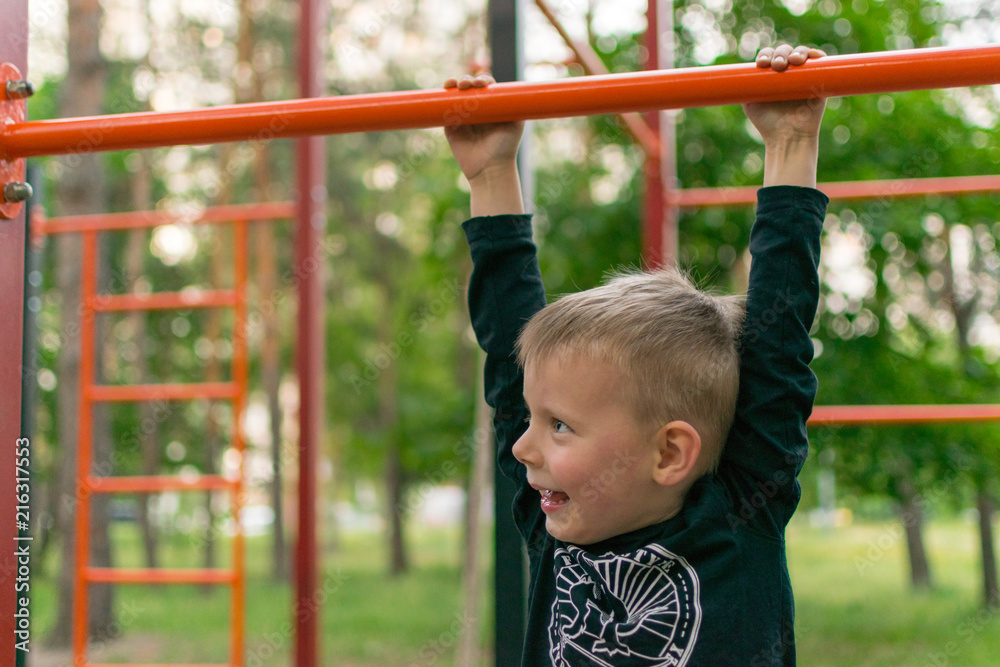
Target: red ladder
x=90 y=393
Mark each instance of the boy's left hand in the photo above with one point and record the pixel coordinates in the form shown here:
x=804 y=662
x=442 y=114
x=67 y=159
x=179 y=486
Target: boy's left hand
x=792 y=120
x=780 y=57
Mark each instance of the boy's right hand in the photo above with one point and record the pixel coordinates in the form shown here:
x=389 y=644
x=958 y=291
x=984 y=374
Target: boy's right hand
x=487 y=155
x=478 y=148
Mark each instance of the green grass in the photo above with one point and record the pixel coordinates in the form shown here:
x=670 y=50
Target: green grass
x=853 y=606
x=852 y=603
x=367 y=618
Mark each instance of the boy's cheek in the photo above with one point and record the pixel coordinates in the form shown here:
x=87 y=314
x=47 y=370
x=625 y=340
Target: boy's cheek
x=589 y=494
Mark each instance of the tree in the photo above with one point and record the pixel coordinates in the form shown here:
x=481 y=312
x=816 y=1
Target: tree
x=82 y=191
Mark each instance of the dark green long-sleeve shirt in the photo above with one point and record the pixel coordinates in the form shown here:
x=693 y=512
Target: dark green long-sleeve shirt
x=710 y=585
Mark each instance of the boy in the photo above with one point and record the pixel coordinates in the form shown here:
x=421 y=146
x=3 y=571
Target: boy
x=655 y=531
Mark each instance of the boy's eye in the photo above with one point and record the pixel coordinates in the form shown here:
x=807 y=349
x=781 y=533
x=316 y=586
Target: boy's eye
x=560 y=427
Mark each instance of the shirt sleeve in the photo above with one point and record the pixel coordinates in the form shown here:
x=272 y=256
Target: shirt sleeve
x=768 y=442
x=505 y=290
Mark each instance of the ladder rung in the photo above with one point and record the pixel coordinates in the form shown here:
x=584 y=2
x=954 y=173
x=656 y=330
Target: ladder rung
x=191 y=298
x=262 y=212
x=153 y=483
x=165 y=392
x=112 y=575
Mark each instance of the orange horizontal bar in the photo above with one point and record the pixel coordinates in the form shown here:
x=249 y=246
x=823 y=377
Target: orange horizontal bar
x=111 y=575
x=901 y=414
x=163 y=392
x=154 y=483
x=214 y=215
x=163 y=300
x=853 y=74
x=896 y=187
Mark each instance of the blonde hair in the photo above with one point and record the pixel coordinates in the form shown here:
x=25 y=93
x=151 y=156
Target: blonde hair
x=676 y=345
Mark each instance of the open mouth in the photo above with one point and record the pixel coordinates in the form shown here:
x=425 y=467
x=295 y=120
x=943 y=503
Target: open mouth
x=553 y=500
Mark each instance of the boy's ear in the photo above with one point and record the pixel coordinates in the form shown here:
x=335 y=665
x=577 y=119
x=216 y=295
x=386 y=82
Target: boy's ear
x=678 y=447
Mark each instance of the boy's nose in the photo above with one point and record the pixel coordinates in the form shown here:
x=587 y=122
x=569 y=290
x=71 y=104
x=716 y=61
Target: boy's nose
x=525 y=452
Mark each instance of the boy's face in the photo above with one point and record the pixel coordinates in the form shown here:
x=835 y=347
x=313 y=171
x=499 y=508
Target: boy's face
x=586 y=454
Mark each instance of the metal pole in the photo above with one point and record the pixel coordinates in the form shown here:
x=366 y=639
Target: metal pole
x=29 y=382
x=510 y=581
x=84 y=448
x=668 y=138
x=854 y=74
x=240 y=378
x=660 y=214
x=14 y=49
x=311 y=365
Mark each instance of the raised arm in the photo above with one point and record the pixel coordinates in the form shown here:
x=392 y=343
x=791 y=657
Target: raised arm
x=505 y=288
x=768 y=442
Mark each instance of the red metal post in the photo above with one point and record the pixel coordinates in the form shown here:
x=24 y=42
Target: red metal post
x=670 y=243
x=854 y=74
x=241 y=380
x=653 y=199
x=311 y=365
x=13 y=49
x=84 y=450
x=660 y=214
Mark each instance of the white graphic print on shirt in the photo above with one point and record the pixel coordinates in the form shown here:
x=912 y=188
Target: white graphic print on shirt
x=640 y=609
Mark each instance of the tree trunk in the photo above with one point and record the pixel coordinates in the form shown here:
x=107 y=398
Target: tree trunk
x=48 y=500
x=149 y=446
x=913 y=521
x=101 y=596
x=991 y=591
x=67 y=367
x=964 y=312
x=267 y=284
x=272 y=383
x=388 y=423
x=480 y=478
x=394 y=496
x=81 y=190
x=270 y=359
x=208 y=462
